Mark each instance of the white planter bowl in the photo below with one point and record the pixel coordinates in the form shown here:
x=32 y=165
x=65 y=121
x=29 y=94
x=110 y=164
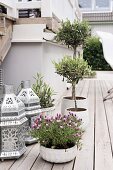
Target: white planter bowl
x=81 y=113
x=49 y=112
x=67 y=102
x=58 y=155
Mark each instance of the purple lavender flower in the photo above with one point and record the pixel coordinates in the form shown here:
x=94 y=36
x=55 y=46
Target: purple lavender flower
x=64 y=119
x=40 y=116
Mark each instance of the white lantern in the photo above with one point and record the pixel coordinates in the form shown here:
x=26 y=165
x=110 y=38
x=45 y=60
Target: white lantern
x=12 y=124
x=32 y=107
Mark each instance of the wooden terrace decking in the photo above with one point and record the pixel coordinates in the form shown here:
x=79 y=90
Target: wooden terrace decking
x=97 y=150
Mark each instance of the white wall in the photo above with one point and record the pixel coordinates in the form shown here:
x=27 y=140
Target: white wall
x=10 y=5
x=28 y=5
x=63 y=10
x=28 y=32
x=26 y=59
x=54 y=52
x=66 y=8
x=105 y=27
x=46 y=8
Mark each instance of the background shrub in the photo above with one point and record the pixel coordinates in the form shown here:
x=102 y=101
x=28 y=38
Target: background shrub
x=93 y=53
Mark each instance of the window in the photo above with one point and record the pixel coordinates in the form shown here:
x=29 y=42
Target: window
x=94 y=4
x=3 y=9
x=84 y=3
x=102 y=3
x=29 y=13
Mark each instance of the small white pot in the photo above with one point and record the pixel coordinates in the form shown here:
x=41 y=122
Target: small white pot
x=81 y=113
x=58 y=155
x=67 y=102
x=49 y=112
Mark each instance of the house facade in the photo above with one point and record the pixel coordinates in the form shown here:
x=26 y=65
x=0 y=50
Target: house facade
x=41 y=8
x=29 y=26
x=99 y=13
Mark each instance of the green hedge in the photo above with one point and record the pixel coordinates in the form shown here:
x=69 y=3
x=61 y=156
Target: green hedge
x=93 y=53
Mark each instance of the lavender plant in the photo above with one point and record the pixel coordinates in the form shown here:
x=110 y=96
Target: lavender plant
x=60 y=132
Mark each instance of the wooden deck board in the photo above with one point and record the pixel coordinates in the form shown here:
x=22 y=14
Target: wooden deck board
x=84 y=160
x=40 y=164
x=102 y=140
x=96 y=153
x=6 y=164
x=108 y=104
x=30 y=159
x=19 y=161
x=64 y=166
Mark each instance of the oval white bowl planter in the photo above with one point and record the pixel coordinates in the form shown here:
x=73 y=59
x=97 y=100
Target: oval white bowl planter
x=81 y=113
x=58 y=155
x=67 y=102
x=48 y=111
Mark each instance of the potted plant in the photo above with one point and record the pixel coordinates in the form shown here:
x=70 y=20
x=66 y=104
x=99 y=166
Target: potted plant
x=45 y=94
x=73 y=34
x=73 y=69
x=59 y=137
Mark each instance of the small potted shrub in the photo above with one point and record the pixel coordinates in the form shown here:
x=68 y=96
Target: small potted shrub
x=73 y=69
x=59 y=137
x=45 y=94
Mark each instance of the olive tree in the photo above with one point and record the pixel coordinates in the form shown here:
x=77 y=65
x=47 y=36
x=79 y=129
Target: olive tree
x=73 y=34
x=73 y=70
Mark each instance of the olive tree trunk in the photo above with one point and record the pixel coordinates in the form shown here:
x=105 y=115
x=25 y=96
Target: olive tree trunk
x=75 y=50
x=74 y=94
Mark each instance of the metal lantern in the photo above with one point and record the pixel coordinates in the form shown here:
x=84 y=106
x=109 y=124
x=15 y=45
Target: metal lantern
x=32 y=107
x=12 y=124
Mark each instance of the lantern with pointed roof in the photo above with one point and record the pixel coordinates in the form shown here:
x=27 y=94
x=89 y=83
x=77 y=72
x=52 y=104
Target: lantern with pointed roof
x=32 y=107
x=12 y=124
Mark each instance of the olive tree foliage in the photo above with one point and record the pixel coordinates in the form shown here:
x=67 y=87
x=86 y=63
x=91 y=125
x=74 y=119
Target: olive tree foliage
x=73 y=34
x=73 y=70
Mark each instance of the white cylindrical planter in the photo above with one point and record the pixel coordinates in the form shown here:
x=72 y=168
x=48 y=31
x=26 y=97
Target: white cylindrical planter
x=48 y=112
x=81 y=113
x=58 y=155
x=67 y=102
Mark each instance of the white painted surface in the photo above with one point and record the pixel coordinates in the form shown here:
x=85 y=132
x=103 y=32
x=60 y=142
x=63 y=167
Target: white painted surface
x=54 y=52
x=63 y=10
x=105 y=27
x=58 y=155
x=107 y=44
x=28 y=4
x=49 y=36
x=24 y=60
x=104 y=75
x=69 y=103
x=66 y=9
x=46 y=8
x=28 y=32
x=8 y=3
